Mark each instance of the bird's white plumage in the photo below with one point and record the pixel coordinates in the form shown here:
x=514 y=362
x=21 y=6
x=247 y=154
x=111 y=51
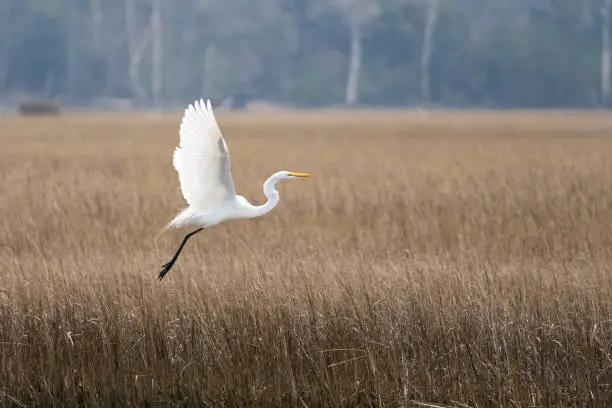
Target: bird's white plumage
x=202 y=163
x=202 y=159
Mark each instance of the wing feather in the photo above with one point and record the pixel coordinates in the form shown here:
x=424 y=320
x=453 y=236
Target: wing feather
x=202 y=158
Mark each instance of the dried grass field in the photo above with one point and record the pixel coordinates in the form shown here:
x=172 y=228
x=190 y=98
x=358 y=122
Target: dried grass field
x=449 y=259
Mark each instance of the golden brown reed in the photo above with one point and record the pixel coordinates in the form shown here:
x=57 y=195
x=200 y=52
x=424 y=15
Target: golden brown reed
x=433 y=258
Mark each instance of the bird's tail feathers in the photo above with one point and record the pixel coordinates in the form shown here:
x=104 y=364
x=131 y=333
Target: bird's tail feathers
x=182 y=219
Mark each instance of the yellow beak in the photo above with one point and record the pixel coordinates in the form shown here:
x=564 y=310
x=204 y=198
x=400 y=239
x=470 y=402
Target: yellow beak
x=300 y=175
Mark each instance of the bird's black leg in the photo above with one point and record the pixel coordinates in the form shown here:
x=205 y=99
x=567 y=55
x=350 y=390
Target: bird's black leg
x=166 y=267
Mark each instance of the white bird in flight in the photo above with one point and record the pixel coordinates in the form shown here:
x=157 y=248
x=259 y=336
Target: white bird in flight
x=202 y=163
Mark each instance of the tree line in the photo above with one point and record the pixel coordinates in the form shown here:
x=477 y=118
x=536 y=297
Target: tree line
x=309 y=53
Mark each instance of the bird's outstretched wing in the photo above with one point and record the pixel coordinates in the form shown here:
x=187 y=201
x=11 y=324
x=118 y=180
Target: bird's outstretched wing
x=202 y=158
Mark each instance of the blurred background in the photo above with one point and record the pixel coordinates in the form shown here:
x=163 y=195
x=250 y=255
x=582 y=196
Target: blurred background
x=161 y=54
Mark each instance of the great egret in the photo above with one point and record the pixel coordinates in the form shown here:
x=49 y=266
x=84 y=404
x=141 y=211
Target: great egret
x=202 y=163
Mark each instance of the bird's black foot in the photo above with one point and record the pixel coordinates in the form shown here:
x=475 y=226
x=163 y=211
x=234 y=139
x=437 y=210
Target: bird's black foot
x=165 y=269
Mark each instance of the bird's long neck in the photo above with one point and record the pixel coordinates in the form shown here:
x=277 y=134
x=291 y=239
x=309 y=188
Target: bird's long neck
x=269 y=188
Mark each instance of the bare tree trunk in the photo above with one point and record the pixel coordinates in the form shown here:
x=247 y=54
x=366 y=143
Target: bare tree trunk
x=73 y=61
x=157 y=66
x=433 y=8
x=96 y=19
x=5 y=29
x=136 y=49
x=605 y=53
x=352 y=83
x=208 y=78
x=96 y=29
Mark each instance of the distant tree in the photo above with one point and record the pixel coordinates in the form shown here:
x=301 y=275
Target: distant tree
x=492 y=53
x=356 y=15
x=157 y=52
x=431 y=19
x=139 y=34
x=605 y=52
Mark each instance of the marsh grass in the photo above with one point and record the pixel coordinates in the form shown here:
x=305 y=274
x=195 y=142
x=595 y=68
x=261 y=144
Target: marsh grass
x=458 y=259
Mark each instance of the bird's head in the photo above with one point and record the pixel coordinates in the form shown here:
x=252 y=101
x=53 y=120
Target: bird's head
x=269 y=185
